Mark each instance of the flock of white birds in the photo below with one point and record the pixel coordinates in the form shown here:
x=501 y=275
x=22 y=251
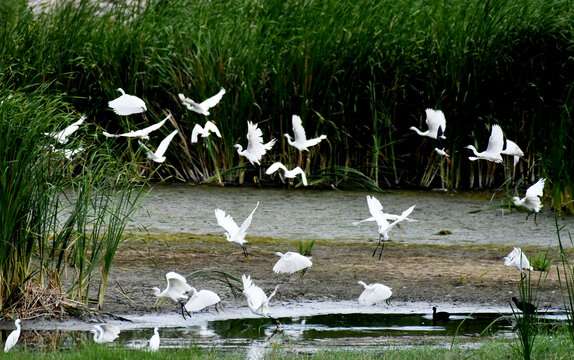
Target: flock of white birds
x=291 y=262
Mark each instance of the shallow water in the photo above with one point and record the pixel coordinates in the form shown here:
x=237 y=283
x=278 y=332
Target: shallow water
x=326 y=214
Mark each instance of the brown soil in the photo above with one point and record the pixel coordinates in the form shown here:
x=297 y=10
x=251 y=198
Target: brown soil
x=455 y=275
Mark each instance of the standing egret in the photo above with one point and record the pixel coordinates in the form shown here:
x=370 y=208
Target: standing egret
x=12 y=339
x=204 y=131
x=375 y=293
x=301 y=142
x=513 y=150
x=154 y=340
x=176 y=288
x=142 y=133
x=127 y=104
x=105 y=333
x=524 y=306
x=434 y=120
x=291 y=262
x=291 y=174
x=234 y=233
x=202 y=299
x=531 y=200
x=62 y=136
x=203 y=107
x=257 y=301
x=255 y=146
x=158 y=155
x=517 y=259
x=494 y=148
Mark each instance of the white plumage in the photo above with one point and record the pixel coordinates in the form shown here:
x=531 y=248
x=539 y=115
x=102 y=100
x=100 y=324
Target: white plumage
x=154 y=341
x=531 y=200
x=494 y=148
x=201 y=299
x=517 y=259
x=127 y=104
x=291 y=262
x=255 y=146
x=105 y=333
x=142 y=133
x=12 y=339
x=434 y=120
x=67 y=153
x=176 y=288
x=257 y=301
x=62 y=136
x=203 y=107
x=234 y=233
x=204 y=131
x=291 y=174
x=158 y=155
x=301 y=142
x=374 y=293
x=513 y=150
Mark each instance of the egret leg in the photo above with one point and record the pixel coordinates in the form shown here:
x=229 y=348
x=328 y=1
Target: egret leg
x=184 y=310
x=303 y=273
x=245 y=251
x=388 y=301
x=382 y=248
x=379 y=244
x=535 y=218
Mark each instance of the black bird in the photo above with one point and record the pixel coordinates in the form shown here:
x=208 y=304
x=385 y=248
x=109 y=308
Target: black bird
x=524 y=306
x=439 y=316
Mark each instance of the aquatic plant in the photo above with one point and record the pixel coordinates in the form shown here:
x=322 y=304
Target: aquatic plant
x=566 y=279
x=305 y=246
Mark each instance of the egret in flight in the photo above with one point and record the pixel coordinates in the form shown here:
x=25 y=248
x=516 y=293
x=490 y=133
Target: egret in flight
x=517 y=259
x=255 y=146
x=12 y=339
x=234 y=233
x=301 y=142
x=291 y=174
x=202 y=299
x=105 y=333
x=142 y=133
x=375 y=293
x=154 y=340
x=176 y=288
x=531 y=200
x=494 y=148
x=127 y=104
x=513 y=150
x=204 y=131
x=158 y=155
x=440 y=146
x=257 y=301
x=62 y=136
x=203 y=107
x=434 y=120
x=291 y=262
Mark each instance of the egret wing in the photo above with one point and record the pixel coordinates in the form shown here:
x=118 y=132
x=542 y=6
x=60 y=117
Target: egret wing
x=201 y=300
x=274 y=167
x=177 y=282
x=243 y=229
x=255 y=140
x=291 y=262
x=161 y=149
x=536 y=190
x=226 y=222
x=298 y=130
x=109 y=332
x=197 y=129
x=212 y=101
x=209 y=126
x=496 y=140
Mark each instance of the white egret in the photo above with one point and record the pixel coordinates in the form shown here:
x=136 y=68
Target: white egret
x=142 y=133
x=234 y=233
x=513 y=150
x=105 y=333
x=255 y=146
x=176 y=288
x=291 y=262
x=301 y=142
x=154 y=340
x=127 y=104
x=434 y=120
x=203 y=107
x=517 y=259
x=158 y=155
x=291 y=174
x=531 y=200
x=202 y=299
x=204 y=131
x=257 y=301
x=62 y=136
x=67 y=153
x=440 y=146
x=375 y=293
x=12 y=339
x=494 y=148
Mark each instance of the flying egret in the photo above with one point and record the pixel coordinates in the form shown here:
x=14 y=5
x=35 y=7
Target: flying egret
x=234 y=233
x=439 y=316
x=62 y=136
x=104 y=333
x=176 y=288
x=142 y=133
x=154 y=340
x=301 y=142
x=157 y=156
x=68 y=153
x=531 y=200
x=513 y=150
x=12 y=339
x=257 y=301
x=524 y=306
x=517 y=259
x=440 y=146
x=291 y=174
x=291 y=262
x=127 y=104
x=375 y=293
x=202 y=299
x=204 y=131
x=494 y=148
x=255 y=146
x=434 y=120
x=203 y=107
